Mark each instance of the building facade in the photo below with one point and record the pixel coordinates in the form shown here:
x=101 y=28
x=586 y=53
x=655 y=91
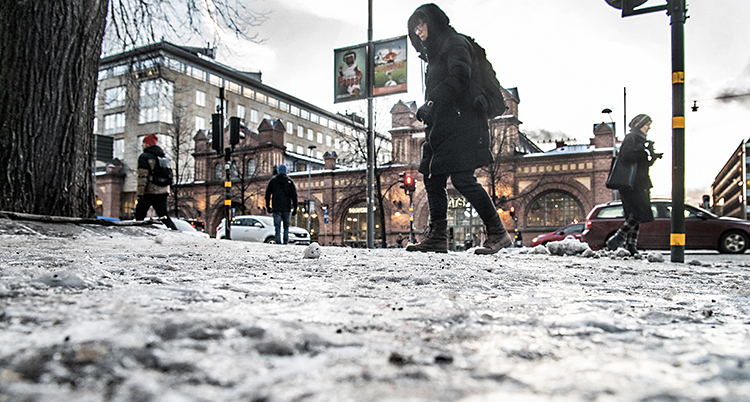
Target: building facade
x=730 y=187
x=172 y=91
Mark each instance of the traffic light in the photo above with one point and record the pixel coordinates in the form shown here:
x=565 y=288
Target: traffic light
x=217 y=132
x=401 y=177
x=410 y=184
x=628 y=7
x=234 y=131
x=512 y=211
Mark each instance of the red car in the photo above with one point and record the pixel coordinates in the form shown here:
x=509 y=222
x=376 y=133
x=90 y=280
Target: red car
x=703 y=230
x=566 y=232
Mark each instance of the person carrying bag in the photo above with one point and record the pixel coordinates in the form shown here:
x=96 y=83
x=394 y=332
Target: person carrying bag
x=629 y=175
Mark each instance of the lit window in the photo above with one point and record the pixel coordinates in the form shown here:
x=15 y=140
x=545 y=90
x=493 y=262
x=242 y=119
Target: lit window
x=554 y=209
x=157 y=99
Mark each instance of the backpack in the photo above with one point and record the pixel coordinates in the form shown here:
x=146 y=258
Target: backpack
x=162 y=174
x=484 y=85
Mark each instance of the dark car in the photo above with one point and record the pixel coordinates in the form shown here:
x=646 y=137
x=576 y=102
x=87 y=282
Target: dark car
x=572 y=231
x=703 y=230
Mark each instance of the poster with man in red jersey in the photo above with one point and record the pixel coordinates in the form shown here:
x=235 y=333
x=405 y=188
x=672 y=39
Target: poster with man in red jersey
x=390 y=66
x=351 y=80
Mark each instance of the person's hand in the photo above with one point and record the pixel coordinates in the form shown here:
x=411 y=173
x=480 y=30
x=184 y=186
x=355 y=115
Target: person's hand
x=294 y=212
x=424 y=113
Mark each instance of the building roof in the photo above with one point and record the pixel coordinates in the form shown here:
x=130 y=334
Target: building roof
x=204 y=58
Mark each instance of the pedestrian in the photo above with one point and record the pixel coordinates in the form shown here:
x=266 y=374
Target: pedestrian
x=148 y=193
x=399 y=241
x=281 y=200
x=457 y=134
x=636 y=201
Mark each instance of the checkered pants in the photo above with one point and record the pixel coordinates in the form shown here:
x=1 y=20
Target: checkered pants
x=629 y=232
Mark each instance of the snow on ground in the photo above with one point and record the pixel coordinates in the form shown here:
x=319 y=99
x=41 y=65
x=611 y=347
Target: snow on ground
x=90 y=313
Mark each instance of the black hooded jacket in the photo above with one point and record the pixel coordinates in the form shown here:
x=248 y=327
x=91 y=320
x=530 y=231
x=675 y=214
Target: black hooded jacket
x=457 y=137
x=281 y=194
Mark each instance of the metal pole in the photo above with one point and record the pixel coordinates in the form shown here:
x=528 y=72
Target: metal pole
x=412 y=240
x=677 y=236
x=227 y=175
x=370 y=134
x=309 y=191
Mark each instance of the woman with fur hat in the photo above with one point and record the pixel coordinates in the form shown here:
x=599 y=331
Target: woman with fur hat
x=636 y=201
x=457 y=135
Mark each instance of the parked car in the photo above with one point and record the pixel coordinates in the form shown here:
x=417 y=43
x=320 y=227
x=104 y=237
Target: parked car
x=260 y=228
x=571 y=231
x=703 y=230
x=181 y=225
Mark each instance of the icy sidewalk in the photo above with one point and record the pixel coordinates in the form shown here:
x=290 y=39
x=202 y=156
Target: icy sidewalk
x=108 y=314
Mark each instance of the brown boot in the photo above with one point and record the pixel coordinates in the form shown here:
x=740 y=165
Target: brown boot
x=497 y=238
x=436 y=240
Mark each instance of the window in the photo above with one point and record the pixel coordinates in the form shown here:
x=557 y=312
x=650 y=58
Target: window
x=215 y=80
x=266 y=116
x=337 y=143
x=197 y=73
x=305 y=114
x=200 y=123
x=241 y=112
x=289 y=127
x=300 y=132
x=260 y=97
x=114 y=123
x=283 y=106
x=328 y=140
x=118 y=149
x=200 y=98
x=319 y=154
x=219 y=171
x=294 y=110
x=234 y=87
x=300 y=150
x=310 y=134
x=554 y=209
x=157 y=97
x=320 y=138
x=273 y=102
x=290 y=146
x=114 y=97
x=250 y=167
x=248 y=93
x=253 y=116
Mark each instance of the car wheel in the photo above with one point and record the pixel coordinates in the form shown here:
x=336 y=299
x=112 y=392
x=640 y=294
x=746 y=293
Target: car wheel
x=270 y=240
x=733 y=243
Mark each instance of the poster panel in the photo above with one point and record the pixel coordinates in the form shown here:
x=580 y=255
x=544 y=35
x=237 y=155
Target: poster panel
x=350 y=67
x=390 y=66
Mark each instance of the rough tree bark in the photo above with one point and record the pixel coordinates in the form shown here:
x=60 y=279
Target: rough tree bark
x=49 y=59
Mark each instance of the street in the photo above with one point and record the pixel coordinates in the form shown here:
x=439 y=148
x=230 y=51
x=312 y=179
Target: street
x=95 y=313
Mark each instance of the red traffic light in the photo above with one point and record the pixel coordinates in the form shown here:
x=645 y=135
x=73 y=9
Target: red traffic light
x=512 y=211
x=409 y=183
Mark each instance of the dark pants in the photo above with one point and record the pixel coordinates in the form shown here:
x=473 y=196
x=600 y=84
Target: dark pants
x=467 y=185
x=280 y=218
x=159 y=202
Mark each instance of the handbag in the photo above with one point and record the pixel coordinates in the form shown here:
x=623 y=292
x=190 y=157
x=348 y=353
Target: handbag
x=621 y=174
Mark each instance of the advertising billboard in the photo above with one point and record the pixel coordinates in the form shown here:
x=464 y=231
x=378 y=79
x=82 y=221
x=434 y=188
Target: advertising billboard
x=390 y=66
x=350 y=66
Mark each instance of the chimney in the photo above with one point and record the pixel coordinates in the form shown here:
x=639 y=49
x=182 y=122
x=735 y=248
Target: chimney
x=330 y=160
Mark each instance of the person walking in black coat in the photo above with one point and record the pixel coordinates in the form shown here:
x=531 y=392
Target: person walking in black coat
x=281 y=200
x=457 y=133
x=636 y=201
x=148 y=193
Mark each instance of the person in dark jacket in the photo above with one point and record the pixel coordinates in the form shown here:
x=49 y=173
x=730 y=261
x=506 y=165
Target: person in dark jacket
x=281 y=200
x=636 y=201
x=457 y=135
x=149 y=194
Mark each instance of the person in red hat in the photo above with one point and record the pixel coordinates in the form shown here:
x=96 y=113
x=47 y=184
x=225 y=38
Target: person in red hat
x=154 y=177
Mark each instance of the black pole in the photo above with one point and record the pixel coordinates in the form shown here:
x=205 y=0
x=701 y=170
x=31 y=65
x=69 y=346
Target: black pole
x=677 y=236
x=228 y=180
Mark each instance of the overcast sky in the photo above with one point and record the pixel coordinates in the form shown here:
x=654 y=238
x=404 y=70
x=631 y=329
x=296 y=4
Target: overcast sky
x=569 y=60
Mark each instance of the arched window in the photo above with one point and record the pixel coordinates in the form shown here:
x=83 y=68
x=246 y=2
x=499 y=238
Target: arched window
x=554 y=209
x=354 y=225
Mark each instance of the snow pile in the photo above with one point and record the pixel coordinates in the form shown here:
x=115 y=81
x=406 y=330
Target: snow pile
x=567 y=246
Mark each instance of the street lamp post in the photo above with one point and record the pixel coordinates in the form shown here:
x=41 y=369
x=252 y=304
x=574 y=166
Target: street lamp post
x=309 y=193
x=608 y=112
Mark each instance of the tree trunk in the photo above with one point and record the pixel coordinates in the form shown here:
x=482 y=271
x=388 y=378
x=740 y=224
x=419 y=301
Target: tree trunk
x=49 y=55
